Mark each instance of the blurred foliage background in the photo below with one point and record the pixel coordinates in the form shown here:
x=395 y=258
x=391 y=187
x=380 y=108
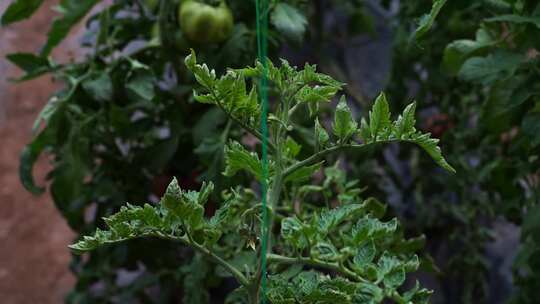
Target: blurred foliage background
x=125 y=123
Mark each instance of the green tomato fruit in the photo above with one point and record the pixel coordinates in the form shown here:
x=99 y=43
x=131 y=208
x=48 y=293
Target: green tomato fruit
x=204 y=23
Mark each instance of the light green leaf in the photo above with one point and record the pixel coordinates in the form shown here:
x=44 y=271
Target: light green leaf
x=130 y=222
x=185 y=205
x=386 y=264
x=289 y=21
x=379 y=116
x=325 y=251
x=303 y=174
x=238 y=158
x=369 y=293
x=365 y=131
x=430 y=146
x=292 y=230
x=417 y=295
x=204 y=194
x=172 y=198
x=321 y=136
x=204 y=98
x=369 y=227
x=365 y=254
x=328 y=220
x=380 y=130
x=405 y=122
x=203 y=74
x=344 y=124
x=292 y=148
x=317 y=93
x=221 y=216
x=395 y=278
x=427 y=21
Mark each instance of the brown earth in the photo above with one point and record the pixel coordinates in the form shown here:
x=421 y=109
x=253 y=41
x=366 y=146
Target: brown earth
x=33 y=236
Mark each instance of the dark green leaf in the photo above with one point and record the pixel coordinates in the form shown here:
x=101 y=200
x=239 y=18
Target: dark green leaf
x=303 y=174
x=457 y=52
x=487 y=70
x=73 y=11
x=32 y=65
x=141 y=84
x=99 y=86
x=19 y=10
x=535 y=20
x=531 y=127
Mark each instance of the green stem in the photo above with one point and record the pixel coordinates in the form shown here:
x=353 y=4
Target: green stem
x=273 y=200
x=225 y=133
x=249 y=129
x=279 y=259
x=321 y=154
x=235 y=272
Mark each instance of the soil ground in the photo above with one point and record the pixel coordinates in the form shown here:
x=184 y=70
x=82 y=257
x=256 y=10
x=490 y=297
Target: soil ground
x=34 y=258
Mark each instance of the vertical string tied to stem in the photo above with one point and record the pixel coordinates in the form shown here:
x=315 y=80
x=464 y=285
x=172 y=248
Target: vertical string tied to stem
x=262 y=49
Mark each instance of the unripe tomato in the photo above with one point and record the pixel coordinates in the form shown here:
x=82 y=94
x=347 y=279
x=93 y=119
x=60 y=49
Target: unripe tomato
x=204 y=23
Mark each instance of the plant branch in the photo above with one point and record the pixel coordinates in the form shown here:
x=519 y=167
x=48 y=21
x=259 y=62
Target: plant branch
x=246 y=127
x=321 y=154
x=279 y=259
x=235 y=272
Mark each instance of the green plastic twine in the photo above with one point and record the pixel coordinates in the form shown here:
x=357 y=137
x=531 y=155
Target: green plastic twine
x=262 y=47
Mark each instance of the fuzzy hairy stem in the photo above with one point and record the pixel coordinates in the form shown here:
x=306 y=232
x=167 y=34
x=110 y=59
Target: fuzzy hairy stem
x=279 y=259
x=323 y=153
x=233 y=270
x=244 y=126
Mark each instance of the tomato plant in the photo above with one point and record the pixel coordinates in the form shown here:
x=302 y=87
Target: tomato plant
x=369 y=256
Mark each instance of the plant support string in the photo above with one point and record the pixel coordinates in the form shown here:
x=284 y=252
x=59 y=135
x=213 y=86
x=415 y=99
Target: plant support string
x=262 y=46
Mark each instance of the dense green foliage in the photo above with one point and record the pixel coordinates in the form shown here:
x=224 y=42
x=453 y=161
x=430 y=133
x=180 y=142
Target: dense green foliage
x=125 y=123
x=369 y=256
x=477 y=77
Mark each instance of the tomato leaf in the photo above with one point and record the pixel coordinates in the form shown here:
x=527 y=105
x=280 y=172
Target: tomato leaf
x=289 y=21
x=19 y=10
x=73 y=11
